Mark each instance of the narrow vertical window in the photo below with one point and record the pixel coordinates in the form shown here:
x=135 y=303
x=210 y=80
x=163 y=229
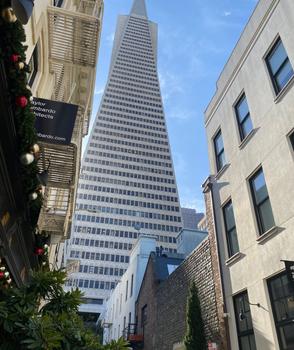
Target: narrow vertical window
x=127 y=289
x=279 y=66
x=132 y=286
x=219 y=151
x=243 y=117
x=244 y=322
x=282 y=296
x=230 y=226
x=291 y=137
x=262 y=204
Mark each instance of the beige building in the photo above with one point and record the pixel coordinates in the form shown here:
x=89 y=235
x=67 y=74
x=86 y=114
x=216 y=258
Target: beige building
x=63 y=38
x=250 y=128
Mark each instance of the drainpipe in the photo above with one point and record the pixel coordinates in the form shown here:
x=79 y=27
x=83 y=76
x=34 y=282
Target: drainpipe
x=210 y=187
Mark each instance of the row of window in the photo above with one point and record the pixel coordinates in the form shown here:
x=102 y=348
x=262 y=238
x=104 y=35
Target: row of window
x=281 y=71
x=137 y=43
x=127 y=158
x=123 y=90
x=127 y=223
x=77 y=254
x=126 y=234
x=130 y=137
x=142 y=86
x=123 y=201
x=281 y=294
x=135 y=48
x=131 y=184
x=130 y=130
x=129 y=150
x=135 y=54
x=136 y=96
x=130 y=167
x=91 y=284
x=129 y=57
x=102 y=244
x=142 y=112
x=149 y=67
x=136 y=213
x=153 y=119
x=139 y=99
x=141 y=106
x=263 y=211
x=124 y=79
x=127 y=143
x=105 y=232
x=154 y=179
x=128 y=175
x=102 y=270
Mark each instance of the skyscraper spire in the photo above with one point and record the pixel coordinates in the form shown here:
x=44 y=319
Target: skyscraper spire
x=139 y=8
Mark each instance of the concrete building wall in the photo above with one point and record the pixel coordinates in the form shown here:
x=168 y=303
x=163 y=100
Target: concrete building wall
x=273 y=118
x=121 y=305
x=187 y=240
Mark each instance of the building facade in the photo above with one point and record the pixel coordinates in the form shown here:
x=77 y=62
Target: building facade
x=249 y=124
x=161 y=304
x=187 y=240
x=127 y=182
x=120 y=317
x=191 y=218
x=62 y=39
x=63 y=68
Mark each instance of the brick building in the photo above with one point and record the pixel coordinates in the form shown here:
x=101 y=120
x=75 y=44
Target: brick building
x=161 y=303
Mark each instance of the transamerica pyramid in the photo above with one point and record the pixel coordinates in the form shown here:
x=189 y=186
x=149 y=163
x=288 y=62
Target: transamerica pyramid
x=127 y=183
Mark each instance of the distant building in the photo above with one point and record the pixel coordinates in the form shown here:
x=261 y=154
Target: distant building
x=161 y=304
x=250 y=127
x=202 y=224
x=127 y=181
x=187 y=240
x=191 y=218
x=119 y=318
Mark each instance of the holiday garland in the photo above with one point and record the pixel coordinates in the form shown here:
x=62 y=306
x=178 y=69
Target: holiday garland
x=12 y=52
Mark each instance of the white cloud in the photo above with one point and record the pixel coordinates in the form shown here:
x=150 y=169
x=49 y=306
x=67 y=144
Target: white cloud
x=193 y=203
x=99 y=91
x=110 y=39
x=227 y=13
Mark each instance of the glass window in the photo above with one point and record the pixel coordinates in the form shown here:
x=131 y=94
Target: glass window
x=279 y=66
x=291 y=137
x=127 y=288
x=282 y=300
x=261 y=201
x=244 y=322
x=243 y=117
x=34 y=65
x=219 y=151
x=230 y=226
x=132 y=286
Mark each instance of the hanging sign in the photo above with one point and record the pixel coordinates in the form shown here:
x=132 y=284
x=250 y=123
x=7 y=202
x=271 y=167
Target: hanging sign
x=54 y=120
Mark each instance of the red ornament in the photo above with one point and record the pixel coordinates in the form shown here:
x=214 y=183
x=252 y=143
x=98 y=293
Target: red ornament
x=2 y=274
x=21 y=101
x=14 y=58
x=39 y=251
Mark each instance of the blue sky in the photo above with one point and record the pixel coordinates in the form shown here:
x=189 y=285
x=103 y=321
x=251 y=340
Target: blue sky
x=196 y=38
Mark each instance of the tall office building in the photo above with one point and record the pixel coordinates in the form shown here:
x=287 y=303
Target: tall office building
x=127 y=183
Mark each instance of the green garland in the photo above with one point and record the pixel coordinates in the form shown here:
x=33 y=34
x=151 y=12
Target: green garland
x=13 y=53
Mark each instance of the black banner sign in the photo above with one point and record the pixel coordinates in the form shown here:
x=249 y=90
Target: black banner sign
x=54 y=120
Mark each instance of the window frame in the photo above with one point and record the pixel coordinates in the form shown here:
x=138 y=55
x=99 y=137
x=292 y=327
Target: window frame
x=282 y=323
x=256 y=205
x=273 y=76
x=218 y=154
x=228 y=231
x=247 y=333
x=248 y=116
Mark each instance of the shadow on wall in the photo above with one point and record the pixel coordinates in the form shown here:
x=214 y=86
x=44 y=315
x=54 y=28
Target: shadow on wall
x=262 y=342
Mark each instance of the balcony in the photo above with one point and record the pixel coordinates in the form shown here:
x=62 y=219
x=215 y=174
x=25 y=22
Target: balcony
x=74 y=35
x=136 y=340
x=59 y=197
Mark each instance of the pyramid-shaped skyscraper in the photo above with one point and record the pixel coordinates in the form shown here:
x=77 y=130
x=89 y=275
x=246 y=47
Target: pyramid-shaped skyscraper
x=127 y=179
